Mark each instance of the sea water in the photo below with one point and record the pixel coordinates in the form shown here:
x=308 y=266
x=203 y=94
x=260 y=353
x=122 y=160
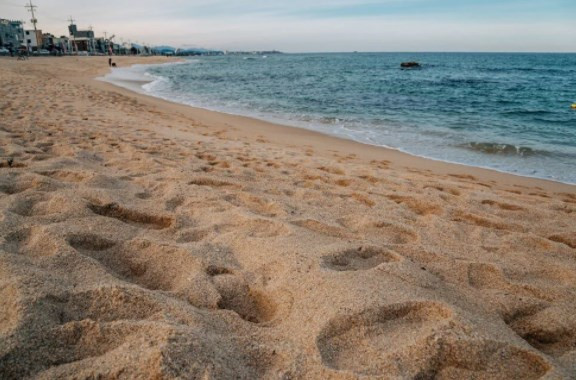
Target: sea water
x=509 y=112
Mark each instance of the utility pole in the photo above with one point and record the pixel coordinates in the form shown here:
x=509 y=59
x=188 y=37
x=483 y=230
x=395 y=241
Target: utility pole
x=71 y=20
x=92 y=47
x=106 y=43
x=31 y=9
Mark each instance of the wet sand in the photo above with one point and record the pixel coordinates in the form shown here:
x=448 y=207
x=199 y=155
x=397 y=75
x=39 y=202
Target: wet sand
x=145 y=239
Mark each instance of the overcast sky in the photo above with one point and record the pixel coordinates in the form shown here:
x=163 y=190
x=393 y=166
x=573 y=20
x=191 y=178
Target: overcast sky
x=319 y=25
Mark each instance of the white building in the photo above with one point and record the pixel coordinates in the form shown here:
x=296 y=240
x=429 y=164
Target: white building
x=32 y=39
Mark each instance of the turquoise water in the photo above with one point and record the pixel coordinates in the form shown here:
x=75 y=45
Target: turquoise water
x=509 y=112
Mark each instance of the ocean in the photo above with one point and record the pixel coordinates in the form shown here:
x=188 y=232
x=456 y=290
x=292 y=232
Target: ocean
x=508 y=112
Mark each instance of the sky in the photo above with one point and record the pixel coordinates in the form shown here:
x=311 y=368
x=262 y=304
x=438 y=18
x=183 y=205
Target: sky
x=318 y=25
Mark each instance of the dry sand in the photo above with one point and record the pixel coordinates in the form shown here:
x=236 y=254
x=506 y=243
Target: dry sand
x=144 y=239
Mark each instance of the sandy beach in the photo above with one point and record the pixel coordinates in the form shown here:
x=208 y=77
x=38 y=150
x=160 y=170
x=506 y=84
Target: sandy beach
x=145 y=239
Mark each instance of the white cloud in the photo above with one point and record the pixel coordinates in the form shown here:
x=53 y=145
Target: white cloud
x=259 y=24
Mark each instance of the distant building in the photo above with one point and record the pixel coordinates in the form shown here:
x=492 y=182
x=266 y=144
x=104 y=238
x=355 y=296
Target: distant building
x=82 y=40
x=11 y=33
x=48 y=41
x=33 y=39
x=62 y=44
x=101 y=44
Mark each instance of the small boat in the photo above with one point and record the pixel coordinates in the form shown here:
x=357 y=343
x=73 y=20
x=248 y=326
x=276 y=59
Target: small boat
x=574 y=106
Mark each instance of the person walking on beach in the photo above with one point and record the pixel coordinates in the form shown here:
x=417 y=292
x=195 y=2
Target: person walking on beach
x=110 y=62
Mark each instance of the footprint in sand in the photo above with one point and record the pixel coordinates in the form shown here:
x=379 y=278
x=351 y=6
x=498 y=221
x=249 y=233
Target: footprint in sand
x=143 y=263
x=132 y=217
x=31 y=242
x=415 y=340
x=238 y=223
x=68 y=175
x=15 y=183
x=69 y=343
x=41 y=204
x=568 y=239
x=258 y=227
x=551 y=330
x=486 y=359
x=502 y=206
x=103 y=304
x=257 y=205
x=485 y=221
x=192 y=235
x=324 y=229
x=213 y=182
x=171 y=204
x=488 y=276
x=249 y=303
x=419 y=205
x=90 y=242
x=362 y=258
x=361 y=343
x=384 y=231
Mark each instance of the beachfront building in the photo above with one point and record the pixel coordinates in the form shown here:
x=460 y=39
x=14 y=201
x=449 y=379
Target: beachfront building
x=56 y=45
x=11 y=34
x=82 y=40
x=48 y=41
x=101 y=45
x=33 y=39
x=120 y=49
x=63 y=42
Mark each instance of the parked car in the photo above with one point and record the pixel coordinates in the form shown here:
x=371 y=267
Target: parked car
x=4 y=51
x=43 y=52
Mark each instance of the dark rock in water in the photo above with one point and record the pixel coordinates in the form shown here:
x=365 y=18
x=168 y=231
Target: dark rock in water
x=410 y=65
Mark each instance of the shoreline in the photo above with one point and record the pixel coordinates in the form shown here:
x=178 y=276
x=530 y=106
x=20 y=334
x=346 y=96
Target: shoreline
x=406 y=158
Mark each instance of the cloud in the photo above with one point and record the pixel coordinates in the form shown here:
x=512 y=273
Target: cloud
x=324 y=25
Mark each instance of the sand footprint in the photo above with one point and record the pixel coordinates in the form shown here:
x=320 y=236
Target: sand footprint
x=485 y=359
x=14 y=183
x=487 y=276
x=323 y=228
x=568 y=239
x=249 y=303
x=367 y=343
x=89 y=242
x=67 y=175
x=420 y=340
x=256 y=204
x=485 y=221
x=384 y=231
x=362 y=258
x=132 y=217
x=70 y=342
x=143 y=263
x=31 y=242
x=418 y=205
x=103 y=304
x=549 y=329
x=41 y=204
x=192 y=235
x=213 y=182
